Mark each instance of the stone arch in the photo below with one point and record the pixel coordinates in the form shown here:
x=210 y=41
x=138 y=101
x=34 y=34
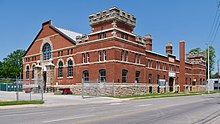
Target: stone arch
x=34 y=64
x=59 y=61
x=70 y=58
x=27 y=65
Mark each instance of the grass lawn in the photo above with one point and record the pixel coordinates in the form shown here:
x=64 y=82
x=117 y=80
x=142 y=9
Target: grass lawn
x=7 y=103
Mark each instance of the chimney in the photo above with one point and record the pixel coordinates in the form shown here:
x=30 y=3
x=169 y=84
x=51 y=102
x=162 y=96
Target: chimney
x=47 y=23
x=182 y=79
x=169 y=48
x=148 y=40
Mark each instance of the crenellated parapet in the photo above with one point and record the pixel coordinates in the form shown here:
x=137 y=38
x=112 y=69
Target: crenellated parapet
x=112 y=14
x=196 y=58
x=82 y=38
x=195 y=55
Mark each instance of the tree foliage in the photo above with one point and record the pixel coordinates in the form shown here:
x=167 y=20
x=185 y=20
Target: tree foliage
x=196 y=50
x=12 y=64
x=211 y=58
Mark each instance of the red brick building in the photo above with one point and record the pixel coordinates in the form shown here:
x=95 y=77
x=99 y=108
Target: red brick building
x=111 y=52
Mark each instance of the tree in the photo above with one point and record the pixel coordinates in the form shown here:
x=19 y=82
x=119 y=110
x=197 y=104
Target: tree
x=196 y=50
x=211 y=59
x=12 y=64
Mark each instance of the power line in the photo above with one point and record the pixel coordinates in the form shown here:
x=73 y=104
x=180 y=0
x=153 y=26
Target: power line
x=215 y=26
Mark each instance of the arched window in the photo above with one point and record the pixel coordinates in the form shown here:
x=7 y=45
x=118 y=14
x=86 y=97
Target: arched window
x=27 y=72
x=70 y=68
x=124 y=76
x=102 y=74
x=86 y=75
x=33 y=67
x=46 y=51
x=60 y=69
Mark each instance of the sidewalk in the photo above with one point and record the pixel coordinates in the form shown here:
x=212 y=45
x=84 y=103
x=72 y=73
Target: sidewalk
x=54 y=100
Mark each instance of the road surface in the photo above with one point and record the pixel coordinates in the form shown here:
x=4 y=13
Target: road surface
x=204 y=109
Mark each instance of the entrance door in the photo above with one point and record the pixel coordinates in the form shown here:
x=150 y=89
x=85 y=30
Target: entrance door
x=171 y=84
x=45 y=79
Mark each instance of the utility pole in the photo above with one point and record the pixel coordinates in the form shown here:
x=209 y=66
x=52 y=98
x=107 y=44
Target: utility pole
x=218 y=73
x=208 y=72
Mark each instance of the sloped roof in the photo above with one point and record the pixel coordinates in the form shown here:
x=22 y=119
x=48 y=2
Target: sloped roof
x=69 y=33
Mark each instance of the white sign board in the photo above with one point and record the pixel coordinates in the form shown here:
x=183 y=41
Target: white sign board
x=172 y=74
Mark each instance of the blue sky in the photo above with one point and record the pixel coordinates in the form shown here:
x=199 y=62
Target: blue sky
x=166 y=20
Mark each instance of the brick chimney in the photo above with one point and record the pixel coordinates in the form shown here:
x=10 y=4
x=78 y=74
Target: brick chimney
x=148 y=40
x=182 y=78
x=169 y=48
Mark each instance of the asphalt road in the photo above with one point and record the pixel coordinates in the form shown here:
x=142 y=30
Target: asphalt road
x=203 y=109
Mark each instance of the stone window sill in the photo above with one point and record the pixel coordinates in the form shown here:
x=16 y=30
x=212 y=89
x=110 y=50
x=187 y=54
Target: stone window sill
x=60 y=77
x=70 y=77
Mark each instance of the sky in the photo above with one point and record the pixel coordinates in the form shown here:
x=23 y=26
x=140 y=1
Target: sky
x=165 y=20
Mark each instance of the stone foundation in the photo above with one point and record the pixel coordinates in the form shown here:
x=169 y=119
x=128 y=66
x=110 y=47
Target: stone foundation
x=123 y=89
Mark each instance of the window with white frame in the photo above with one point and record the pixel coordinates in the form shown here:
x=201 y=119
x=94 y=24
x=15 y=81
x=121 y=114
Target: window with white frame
x=137 y=75
x=70 y=68
x=138 y=58
x=33 y=67
x=60 y=69
x=149 y=63
x=46 y=51
x=83 y=58
x=86 y=75
x=124 y=76
x=126 y=55
x=102 y=75
x=100 y=55
x=149 y=78
x=27 y=72
x=104 y=55
x=88 y=57
x=157 y=65
x=122 y=55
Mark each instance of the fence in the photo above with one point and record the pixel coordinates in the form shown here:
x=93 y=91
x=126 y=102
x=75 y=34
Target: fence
x=97 y=88
x=17 y=89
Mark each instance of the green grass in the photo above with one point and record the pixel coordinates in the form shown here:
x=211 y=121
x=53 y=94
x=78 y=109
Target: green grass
x=149 y=96
x=8 y=103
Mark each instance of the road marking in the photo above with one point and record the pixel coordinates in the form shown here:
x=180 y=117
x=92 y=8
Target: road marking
x=69 y=118
x=117 y=103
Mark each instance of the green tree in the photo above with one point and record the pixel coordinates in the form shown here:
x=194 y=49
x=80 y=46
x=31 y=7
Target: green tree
x=12 y=64
x=211 y=60
x=196 y=50
x=1 y=69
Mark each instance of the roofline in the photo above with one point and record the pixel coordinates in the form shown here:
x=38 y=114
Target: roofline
x=64 y=35
x=55 y=29
x=32 y=43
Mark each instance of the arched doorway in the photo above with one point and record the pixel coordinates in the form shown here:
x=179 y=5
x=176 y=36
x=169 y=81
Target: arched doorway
x=171 y=84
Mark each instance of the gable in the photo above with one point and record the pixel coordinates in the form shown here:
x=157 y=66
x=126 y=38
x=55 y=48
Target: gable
x=59 y=37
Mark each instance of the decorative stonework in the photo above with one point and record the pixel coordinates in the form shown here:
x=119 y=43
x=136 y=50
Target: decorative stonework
x=113 y=14
x=82 y=38
x=114 y=33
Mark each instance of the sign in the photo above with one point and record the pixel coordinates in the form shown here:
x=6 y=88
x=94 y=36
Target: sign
x=171 y=59
x=162 y=82
x=172 y=74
